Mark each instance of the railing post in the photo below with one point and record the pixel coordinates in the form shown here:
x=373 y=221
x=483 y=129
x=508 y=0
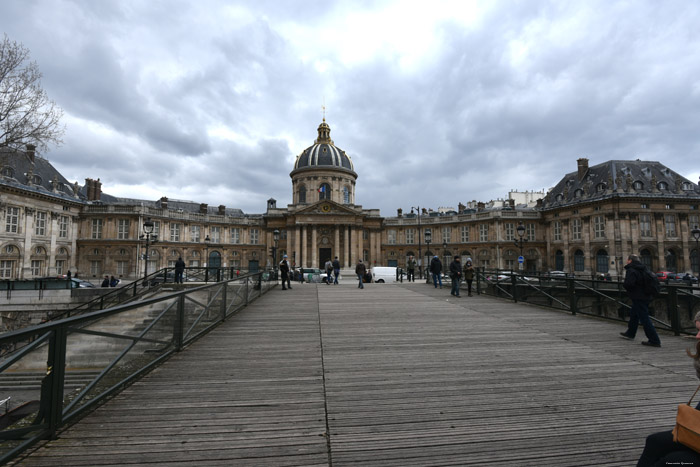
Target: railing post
x=206 y=275
x=571 y=292
x=218 y=275
x=478 y=282
x=246 y=291
x=223 y=301
x=56 y=372
x=513 y=281
x=179 y=329
x=673 y=313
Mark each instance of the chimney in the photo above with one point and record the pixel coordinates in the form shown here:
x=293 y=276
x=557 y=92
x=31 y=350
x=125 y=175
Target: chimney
x=98 y=190
x=582 y=167
x=203 y=208
x=222 y=210
x=164 y=203
x=461 y=208
x=540 y=202
x=480 y=206
x=31 y=151
x=88 y=188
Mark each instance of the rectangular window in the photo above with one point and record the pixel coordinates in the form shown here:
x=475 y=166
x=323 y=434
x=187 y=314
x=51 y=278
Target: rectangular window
x=254 y=236
x=447 y=235
x=123 y=229
x=599 y=226
x=215 y=234
x=60 y=265
x=156 y=228
x=96 y=228
x=391 y=236
x=12 y=219
x=645 y=225
x=194 y=233
x=63 y=227
x=122 y=267
x=510 y=264
x=510 y=231
x=693 y=221
x=670 y=221
x=576 y=229
x=483 y=232
x=6 y=269
x=37 y=266
x=557 y=230
x=96 y=268
x=174 y=232
x=194 y=263
x=465 y=233
x=410 y=236
x=365 y=235
x=40 y=223
x=530 y=232
x=235 y=235
x=365 y=256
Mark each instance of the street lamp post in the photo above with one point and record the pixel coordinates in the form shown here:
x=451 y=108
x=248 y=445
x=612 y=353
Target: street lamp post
x=519 y=243
x=275 y=237
x=696 y=235
x=150 y=239
x=206 y=258
x=444 y=255
x=420 y=257
x=428 y=237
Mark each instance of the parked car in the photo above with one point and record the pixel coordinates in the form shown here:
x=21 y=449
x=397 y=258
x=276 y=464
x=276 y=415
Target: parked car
x=81 y=284
x=312 y=274
x=681 y=278
x=382 y=274
x=663 y=276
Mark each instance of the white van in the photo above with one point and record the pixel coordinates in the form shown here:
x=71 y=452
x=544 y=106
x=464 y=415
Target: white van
x=382 y=274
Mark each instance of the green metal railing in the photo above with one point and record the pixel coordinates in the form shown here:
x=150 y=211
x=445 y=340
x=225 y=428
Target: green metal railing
x=118 y=345
x=674 y=309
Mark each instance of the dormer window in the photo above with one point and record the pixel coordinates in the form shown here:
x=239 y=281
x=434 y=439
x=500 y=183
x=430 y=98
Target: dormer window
x=662 y=186
x=600 y=187
x=578 y=193
x=37 y=180
x=559 y=197
x=8 y=172
x=638 y=185
x=687 y=186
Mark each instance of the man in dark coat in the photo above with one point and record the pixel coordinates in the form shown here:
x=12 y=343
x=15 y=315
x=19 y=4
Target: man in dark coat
x=436 y=271
x=179 y=270
x=635 y=271
x=360 y=270
x=284 y=270
x=336 y=270
x=455 y=275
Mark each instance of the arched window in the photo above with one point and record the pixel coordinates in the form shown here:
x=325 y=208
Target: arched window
x=578 y=260
x=346 y=195
x=324 y=191
x=559 y=260
x=663 y=186
x=645 y=256
x=601 y=261
x=671 y=261
x=638 y=185
x=302 y=193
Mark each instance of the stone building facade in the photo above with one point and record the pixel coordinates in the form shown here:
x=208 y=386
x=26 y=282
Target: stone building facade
x=587 y=224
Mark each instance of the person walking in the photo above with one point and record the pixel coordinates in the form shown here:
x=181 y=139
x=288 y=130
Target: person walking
x=436 y=271
x=635 y=272
x=105 y=282
x=284 y=270
x=329 y=271
x=113 y=281
x=360 y=270
x=455 y=275
x=411 y=269
x=336 y=270
x=179 y=270
x=468 y=275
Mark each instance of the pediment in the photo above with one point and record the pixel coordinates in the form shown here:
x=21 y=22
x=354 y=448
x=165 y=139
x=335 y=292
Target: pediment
x=327 y=207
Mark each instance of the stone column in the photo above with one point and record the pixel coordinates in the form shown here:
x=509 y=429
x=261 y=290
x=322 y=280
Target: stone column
x=336 y=246
x=53 y=232
x=26 y=259
x=378 y=246
x=304 y=256
x=297 y=245
x=360 y=238
x=314 y=246
x=346 y=248
x=587 y=254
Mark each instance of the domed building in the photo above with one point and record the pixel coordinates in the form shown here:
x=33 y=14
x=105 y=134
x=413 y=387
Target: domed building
x=323 y=220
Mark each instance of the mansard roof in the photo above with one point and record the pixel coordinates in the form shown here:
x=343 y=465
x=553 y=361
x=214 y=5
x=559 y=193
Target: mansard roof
x=648 y=179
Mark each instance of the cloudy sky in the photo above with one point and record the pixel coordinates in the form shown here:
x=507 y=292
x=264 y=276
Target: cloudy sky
x=436 y=102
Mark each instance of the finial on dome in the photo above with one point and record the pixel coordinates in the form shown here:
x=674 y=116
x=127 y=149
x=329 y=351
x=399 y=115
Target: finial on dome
x=323 y=108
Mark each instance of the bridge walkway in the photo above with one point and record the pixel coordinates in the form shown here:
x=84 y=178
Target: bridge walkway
x=400 y=375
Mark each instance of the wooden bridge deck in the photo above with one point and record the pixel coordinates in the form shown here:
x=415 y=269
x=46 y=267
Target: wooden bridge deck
x=398 y=375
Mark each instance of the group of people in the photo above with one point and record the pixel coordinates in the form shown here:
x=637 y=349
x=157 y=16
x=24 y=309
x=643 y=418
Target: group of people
x=332 y=270
x=110 y=281
x=457 y=273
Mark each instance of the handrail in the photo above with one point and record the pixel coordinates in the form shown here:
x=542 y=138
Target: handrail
x=180 y=320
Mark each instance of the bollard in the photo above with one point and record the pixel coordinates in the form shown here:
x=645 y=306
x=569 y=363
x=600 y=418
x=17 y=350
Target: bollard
x=673 y=312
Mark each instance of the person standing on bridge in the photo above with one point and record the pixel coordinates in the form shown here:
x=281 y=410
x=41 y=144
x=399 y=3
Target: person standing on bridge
x=284 y=270
x=469 y=275
x=455 y=275
x=410 y=269
x=336 y=270
x=329 y=271
x=179 y=270
x=360 y=270
x=436 y=271
x=635 y=272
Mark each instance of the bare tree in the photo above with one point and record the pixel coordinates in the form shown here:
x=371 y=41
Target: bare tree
x=27 y=115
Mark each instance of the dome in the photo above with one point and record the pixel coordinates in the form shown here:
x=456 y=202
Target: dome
x=323 y=154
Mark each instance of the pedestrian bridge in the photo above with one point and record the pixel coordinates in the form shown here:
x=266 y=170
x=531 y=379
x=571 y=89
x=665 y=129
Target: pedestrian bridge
x=392 y=375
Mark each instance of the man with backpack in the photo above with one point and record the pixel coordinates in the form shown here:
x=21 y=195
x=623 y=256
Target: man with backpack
x=641 y=285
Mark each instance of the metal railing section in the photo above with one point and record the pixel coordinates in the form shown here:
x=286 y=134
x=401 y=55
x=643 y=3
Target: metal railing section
x=113 y=347
x=674 y=309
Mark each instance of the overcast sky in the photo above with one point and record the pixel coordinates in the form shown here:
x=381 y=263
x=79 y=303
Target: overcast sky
x=436 y=102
